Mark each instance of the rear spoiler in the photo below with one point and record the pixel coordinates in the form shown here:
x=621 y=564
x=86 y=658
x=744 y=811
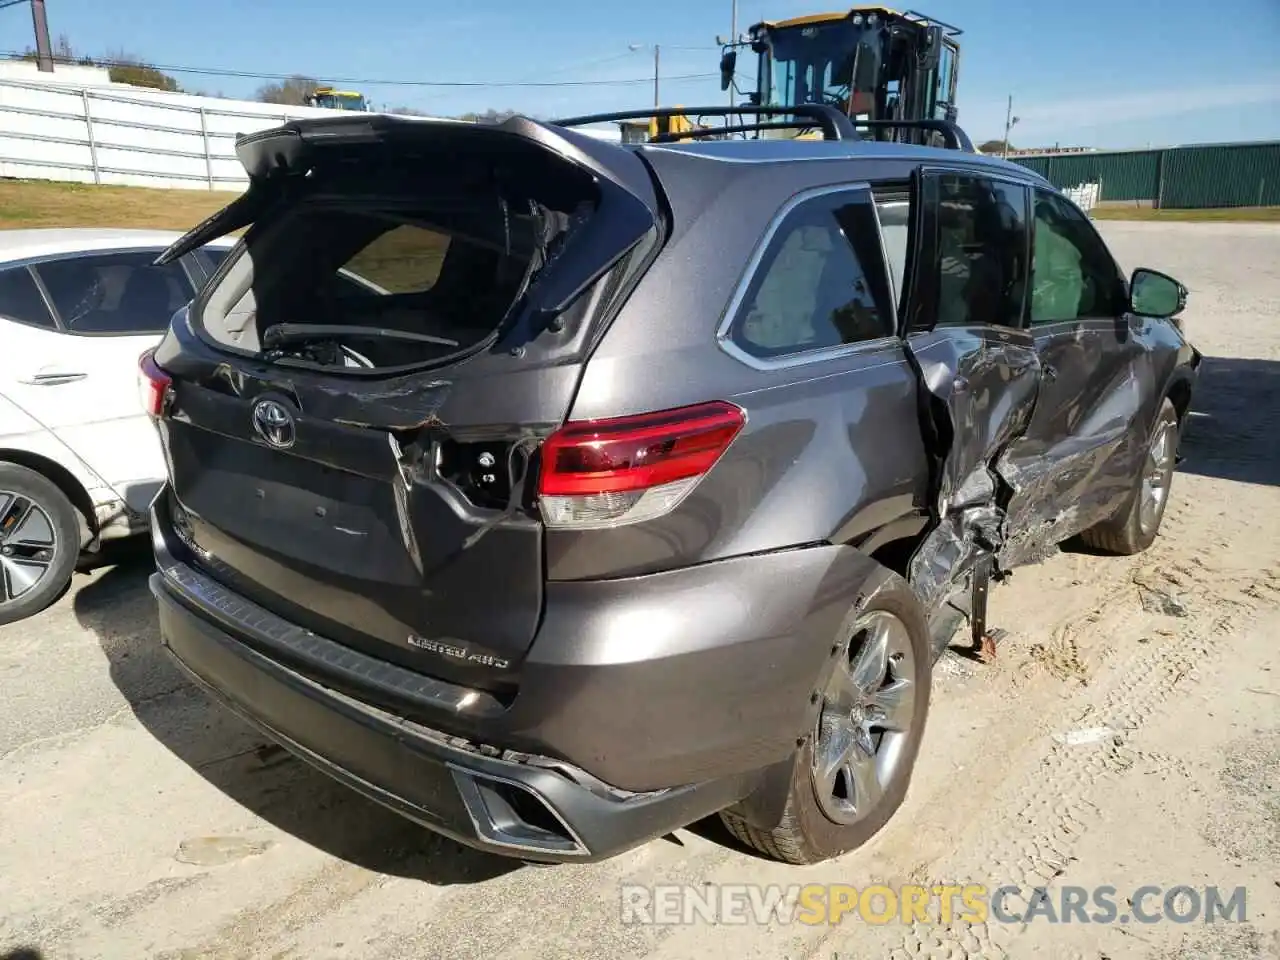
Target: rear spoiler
x=277 y=161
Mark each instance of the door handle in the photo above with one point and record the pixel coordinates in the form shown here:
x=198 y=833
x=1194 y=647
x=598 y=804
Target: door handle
x=1050 y=372
x=54 y=378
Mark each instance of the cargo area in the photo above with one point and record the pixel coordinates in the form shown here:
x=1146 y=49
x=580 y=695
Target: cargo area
x=354 y=399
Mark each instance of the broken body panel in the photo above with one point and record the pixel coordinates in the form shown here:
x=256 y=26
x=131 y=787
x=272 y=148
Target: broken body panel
x=1037 y=434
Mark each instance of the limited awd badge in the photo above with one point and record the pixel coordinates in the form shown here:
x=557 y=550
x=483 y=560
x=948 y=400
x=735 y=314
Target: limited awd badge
x=274 y=423
x=456 y=652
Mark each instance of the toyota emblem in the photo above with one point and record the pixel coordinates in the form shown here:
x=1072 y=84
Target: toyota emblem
x=273 y=423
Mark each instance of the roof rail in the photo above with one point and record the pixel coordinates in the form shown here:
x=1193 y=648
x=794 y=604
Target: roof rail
x=951 y=31
x=835 y=125
x=955 y=137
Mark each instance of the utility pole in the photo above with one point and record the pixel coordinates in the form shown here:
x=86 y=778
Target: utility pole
x=657 y=59
x=1009 y=121
x=733 y=38
x=44 y=49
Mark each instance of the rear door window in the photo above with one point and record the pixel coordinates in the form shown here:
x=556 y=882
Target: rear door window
x=115 y=293
x=21 y=301
x=982 y=250
x=821 y=284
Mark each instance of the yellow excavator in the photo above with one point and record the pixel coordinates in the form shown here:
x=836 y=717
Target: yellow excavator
x=877 y=65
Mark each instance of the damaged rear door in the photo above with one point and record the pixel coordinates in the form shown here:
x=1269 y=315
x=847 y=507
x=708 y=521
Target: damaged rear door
x=358 y=391
x=978 y=367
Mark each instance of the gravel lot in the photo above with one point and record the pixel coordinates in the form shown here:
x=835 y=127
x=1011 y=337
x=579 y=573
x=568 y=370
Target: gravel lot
x=137 y=819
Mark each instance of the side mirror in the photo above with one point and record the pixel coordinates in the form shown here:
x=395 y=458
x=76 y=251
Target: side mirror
x=931 y=48
x=728 y=67
x=1155 y=294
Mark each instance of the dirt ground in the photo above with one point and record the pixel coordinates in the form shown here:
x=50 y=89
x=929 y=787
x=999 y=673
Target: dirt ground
x=1128 y=735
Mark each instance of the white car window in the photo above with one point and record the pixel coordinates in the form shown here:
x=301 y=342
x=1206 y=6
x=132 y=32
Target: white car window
x=120 y=293
x=21 y=301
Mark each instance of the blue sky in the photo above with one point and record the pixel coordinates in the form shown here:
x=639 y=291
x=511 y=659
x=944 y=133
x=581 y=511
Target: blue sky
x=1107 y=73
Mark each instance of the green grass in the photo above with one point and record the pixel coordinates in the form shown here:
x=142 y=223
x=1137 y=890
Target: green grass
x=26 y=204
x=1214 y=214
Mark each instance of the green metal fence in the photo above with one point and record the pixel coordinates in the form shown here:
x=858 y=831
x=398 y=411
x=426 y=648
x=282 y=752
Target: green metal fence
x=1217 y=175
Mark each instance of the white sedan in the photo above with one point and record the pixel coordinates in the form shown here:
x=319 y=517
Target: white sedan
x=79 y=459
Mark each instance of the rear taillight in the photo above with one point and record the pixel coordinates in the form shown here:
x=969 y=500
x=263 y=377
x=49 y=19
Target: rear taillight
x=600 y=473
x=153 y=385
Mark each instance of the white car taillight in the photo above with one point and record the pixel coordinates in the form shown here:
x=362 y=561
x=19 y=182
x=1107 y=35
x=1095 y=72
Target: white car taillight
x=602 y=473
x=153 y=385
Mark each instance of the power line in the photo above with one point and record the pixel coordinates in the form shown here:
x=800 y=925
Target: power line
x=369 y=82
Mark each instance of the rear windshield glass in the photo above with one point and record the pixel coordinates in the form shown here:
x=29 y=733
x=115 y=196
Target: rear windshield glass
x=446 y=269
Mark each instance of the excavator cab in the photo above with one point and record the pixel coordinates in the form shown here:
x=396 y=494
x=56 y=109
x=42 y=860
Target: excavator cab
x=872 y=63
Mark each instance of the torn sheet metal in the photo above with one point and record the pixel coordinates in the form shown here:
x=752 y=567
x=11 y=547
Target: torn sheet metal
x=1075 y=481
x=982 y=389
x=943 y=563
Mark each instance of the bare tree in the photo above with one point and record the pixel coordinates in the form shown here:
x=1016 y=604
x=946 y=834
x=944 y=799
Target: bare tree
x=489 y=116
x=291 y=93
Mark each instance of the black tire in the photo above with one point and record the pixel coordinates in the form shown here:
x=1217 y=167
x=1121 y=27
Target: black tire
x=805 y=833
x=62 y=517
x=1123 y=533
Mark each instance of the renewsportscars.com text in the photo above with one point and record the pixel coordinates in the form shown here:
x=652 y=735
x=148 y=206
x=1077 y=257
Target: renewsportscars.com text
x=818 y=904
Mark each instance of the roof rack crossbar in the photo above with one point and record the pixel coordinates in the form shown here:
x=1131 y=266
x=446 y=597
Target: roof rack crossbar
x=955 y=137
x=734 y=128
x=835 y=125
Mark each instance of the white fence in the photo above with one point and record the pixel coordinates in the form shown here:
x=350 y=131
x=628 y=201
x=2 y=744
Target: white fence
x=129 y=136
x=135 y=137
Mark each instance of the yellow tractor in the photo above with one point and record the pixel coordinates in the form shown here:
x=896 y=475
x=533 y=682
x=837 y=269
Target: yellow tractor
x=876 y=65
x=332 y=99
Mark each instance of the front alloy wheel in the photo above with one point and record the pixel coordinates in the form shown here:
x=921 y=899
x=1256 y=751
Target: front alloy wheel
x=1157 y=472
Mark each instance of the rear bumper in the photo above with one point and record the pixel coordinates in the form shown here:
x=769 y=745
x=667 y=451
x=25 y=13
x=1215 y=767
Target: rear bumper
x=644 y=704
x=513 y=807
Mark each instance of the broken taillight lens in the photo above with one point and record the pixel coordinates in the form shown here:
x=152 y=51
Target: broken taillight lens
x=601 y=473
x=153 y=385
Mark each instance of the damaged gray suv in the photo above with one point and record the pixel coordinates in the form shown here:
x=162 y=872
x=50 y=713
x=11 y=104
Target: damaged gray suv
x=558 y=493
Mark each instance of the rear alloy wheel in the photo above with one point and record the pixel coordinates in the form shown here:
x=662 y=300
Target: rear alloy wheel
x=867 y=711
x=854 y=769
x=1134 y=528
x=39 y=542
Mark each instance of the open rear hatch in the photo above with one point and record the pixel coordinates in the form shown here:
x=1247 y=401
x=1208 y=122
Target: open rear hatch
x=356 y=396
